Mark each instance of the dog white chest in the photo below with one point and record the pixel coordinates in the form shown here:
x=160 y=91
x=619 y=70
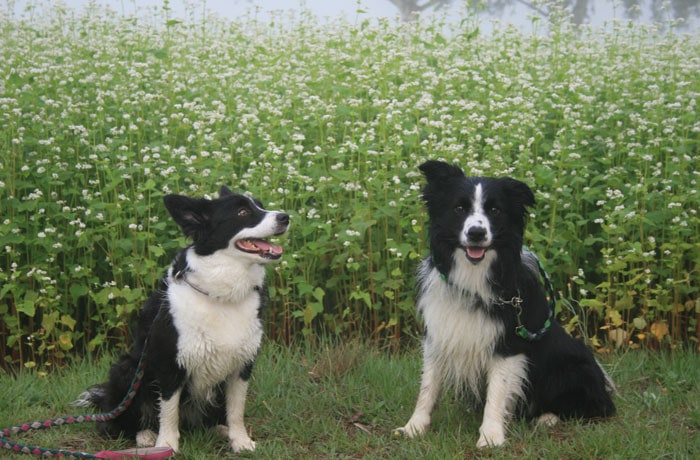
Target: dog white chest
x=216 y=339
x=461 y=336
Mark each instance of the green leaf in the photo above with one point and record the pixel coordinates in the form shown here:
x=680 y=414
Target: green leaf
x=319 y=294
x=28 y=305
x=639 y=323
x=68 y=321
x=78 y=290
x=156 y=250
x=65 y=341
x=615 y=318
x=309 y=314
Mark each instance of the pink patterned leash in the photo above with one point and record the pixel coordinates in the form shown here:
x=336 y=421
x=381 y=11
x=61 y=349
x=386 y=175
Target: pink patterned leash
x=150 y=453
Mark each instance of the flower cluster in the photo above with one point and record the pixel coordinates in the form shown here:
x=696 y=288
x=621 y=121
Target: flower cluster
x=101 y=115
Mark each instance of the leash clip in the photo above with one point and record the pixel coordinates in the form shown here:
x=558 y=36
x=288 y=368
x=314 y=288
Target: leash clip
x=517 y=303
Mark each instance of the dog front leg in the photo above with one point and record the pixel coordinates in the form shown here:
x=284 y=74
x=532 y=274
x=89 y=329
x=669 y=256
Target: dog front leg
x=236 y=390
x=169 y=418
x=504 y=386
x=430 y=386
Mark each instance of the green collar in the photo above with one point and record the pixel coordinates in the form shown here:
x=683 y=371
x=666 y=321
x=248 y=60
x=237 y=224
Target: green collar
x=516 y=302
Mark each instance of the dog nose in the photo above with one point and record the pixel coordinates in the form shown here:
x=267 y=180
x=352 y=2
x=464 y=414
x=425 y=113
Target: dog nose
x=283 y=218
x=476 y=234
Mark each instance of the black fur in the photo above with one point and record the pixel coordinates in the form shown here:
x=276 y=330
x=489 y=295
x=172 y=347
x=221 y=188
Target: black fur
x=214 y=227
x=563 y=375
x=475 y=289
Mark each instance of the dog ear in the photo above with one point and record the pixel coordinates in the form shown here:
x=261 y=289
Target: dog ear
x=439 y=171
x=520 y=192
x=191 y=214
x=225 y=191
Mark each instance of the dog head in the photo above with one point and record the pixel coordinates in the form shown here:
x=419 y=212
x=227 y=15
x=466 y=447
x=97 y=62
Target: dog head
x=231 y=222
x=473 y=218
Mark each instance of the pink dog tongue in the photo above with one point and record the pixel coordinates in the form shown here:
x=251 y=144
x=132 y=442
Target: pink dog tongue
x=265 y=247
x=475 y=252
x=261 y=247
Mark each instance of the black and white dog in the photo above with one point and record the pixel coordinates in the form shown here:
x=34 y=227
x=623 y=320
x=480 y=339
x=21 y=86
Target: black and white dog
x=489 y=329
x=201 y=330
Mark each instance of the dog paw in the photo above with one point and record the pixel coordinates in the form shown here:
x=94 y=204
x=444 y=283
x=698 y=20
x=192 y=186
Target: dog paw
x=221 y=430
x=146 y=438
x=491 y=436
x=411 y=430
x=241 y=444
x=548 y=419
x=168 y=441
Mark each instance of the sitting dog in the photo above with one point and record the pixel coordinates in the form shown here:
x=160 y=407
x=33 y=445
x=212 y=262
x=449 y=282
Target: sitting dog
x=200 y=332
x=489 y=325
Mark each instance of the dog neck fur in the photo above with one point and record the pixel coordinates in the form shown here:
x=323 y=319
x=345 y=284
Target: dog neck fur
x=227 y=278
x=472 y=279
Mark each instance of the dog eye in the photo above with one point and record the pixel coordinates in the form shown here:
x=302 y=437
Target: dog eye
x=495 y=211
x=243 y=212
x=460 y=210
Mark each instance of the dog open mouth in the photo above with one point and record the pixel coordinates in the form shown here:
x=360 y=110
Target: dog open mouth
x=475 y=254
x=262 y=248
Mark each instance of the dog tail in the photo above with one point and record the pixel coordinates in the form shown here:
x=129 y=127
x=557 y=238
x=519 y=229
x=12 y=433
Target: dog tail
x=92 y=397
x=106 y=396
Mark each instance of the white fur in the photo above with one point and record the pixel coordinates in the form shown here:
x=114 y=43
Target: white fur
x=236 y=390
x=461 y=336
x=459 y=348
x=146 y=438
x=219 y=331
x=477 y=218
x=226 y=275
x=468 y=278
x=215 y=338
x=548 y=419
x=505 y=381
x=169 y=417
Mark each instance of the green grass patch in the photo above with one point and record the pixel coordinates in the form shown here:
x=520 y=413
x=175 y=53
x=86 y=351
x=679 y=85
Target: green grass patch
x=343 y=401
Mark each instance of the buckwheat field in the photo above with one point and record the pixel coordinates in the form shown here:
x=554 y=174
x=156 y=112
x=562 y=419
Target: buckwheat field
x=102 y=114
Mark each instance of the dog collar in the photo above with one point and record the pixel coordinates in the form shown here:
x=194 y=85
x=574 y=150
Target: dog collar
x=520 y=329
x=516 y=302
x=182 y=276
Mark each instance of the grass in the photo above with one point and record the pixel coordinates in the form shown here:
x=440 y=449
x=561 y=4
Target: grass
x=343 y=401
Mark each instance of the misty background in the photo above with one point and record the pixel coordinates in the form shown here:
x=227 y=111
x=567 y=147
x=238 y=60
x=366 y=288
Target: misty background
x=683 y=15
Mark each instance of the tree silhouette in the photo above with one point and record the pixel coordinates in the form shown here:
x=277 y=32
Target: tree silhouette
x=410 y=9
